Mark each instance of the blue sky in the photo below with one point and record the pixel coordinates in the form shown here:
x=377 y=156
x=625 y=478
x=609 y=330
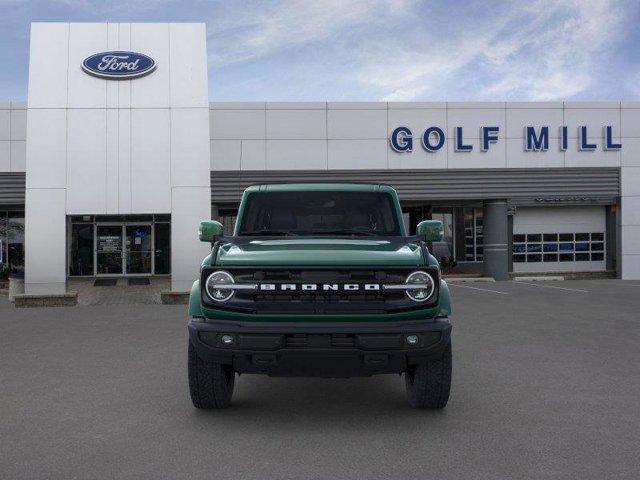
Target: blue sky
x=363 y=50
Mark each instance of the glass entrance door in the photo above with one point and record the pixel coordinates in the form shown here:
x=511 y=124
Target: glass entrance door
x=139 y=250
x=109 y=250
x=118 y=245
x=124 y=249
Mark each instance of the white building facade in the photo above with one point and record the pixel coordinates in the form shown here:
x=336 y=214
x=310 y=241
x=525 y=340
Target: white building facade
x=111 y=176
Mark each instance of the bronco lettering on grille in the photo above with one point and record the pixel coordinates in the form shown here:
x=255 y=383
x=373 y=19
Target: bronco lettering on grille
x=310 y=287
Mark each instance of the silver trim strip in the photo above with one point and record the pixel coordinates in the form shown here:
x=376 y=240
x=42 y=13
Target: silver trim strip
x=405 y=286
x=389 y=286
x=235 y=286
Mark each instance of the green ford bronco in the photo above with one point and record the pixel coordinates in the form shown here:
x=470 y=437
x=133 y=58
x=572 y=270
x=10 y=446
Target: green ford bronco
x=320 y=280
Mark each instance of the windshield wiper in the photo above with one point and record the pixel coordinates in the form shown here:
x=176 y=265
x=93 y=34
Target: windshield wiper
x=347 y=231
x=268 y=231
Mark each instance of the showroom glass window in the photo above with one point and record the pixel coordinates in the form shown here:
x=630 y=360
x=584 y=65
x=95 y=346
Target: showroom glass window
x=4 y=267
x=120 y=244
x=81 y=250
x=444 y=250
x=473 y=234
x=162 y=239
x=12 y=239
x=227 y=217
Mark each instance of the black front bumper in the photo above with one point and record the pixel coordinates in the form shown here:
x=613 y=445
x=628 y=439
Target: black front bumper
x=319 y=349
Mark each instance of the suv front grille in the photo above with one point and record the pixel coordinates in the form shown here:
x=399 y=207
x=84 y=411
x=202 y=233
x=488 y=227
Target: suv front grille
x=321 y=298
x=321 y=301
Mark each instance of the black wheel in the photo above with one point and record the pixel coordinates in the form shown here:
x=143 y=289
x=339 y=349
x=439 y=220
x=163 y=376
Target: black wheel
x=210 y=384
x=428 y=384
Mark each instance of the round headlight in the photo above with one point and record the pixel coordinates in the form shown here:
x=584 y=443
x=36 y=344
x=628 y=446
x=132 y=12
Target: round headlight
x=425 y=286
x=214 y=283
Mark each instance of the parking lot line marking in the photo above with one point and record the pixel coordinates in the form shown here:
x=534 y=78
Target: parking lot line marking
x=476 y=288
x=552 y=286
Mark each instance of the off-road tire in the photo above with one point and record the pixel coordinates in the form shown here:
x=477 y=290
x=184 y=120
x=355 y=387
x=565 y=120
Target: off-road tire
x=210 y=384
x=428 y=384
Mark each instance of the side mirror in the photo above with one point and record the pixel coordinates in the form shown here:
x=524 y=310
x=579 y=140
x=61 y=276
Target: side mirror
x=210 y=230
x=430 y=230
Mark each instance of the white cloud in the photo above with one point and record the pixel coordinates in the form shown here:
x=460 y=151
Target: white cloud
x=262 y=28
x=407 y=50
x=569 y=50
x=103 y=7
x=545 y=51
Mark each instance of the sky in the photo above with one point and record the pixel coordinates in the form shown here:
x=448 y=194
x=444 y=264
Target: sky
x=377 y=50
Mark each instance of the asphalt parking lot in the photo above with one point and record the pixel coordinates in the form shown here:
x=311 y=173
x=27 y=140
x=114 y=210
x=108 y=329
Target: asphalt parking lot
x=546 y=384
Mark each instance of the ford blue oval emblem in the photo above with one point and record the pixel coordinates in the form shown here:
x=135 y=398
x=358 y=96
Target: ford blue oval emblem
x=118 y=65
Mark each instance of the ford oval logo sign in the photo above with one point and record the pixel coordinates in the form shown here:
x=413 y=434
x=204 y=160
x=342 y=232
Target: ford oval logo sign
x=118 y=65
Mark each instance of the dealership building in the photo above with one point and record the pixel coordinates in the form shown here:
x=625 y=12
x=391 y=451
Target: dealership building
x=117 y=154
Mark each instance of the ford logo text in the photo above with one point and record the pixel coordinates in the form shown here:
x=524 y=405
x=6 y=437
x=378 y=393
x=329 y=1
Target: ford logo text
x=118 y=65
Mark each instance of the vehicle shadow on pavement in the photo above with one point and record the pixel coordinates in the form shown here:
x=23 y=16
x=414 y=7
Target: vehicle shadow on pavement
x=308 y=401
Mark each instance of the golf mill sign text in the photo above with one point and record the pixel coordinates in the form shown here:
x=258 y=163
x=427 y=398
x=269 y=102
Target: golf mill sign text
x=536 y=139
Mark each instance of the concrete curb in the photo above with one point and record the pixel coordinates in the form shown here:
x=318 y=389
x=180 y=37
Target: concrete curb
x=174 y=298
x=545 y=278
x=469 y=279
x=582 y=275
x=23 y=300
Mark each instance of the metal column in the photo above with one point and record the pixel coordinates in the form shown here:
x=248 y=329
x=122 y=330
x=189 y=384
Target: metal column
x=495 y=237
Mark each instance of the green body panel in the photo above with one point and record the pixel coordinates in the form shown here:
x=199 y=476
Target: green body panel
x=195 y=306
x=320 y=251
x=445 y=300
x=207 y=260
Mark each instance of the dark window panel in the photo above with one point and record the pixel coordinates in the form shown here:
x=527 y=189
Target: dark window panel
x=162 y=218
x=162 y=248
x=81 y=250
x=566 y=247
x=582 y=247
x=82 y=218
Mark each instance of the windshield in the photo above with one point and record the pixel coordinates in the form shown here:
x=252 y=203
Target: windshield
x=319 y=213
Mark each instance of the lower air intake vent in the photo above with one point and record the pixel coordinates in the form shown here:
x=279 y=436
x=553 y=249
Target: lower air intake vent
x=320 y=341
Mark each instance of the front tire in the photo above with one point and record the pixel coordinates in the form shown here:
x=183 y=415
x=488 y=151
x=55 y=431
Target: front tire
x=210 y=384
x=428 y=384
